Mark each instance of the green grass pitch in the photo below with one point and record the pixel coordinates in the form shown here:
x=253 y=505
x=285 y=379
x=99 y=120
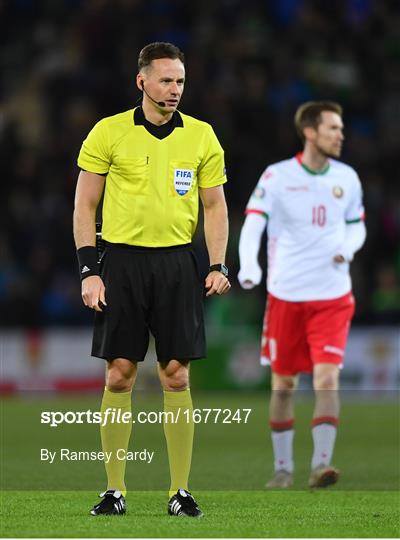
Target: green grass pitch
x=228 y=514
x=231 y=464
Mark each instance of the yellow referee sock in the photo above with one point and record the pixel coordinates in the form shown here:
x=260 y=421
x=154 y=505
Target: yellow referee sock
x=115 y=435
x=179 y=436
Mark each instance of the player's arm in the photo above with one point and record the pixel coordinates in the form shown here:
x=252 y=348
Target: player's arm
x=258 y=210
x=355 y=235
x=356 y=232
x=88 y=193
x=216 y=235
x=250 y=273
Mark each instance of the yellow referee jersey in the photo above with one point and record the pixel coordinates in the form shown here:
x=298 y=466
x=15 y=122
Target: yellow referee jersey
x=151 y=191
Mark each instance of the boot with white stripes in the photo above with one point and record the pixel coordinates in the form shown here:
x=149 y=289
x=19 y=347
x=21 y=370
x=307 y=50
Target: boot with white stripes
x=183 y=504
x=113 y=503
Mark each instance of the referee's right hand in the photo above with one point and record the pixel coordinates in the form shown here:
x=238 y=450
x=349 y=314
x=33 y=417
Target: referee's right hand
x=93 y=292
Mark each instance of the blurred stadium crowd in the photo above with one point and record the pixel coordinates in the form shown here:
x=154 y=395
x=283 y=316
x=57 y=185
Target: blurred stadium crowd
x=67 y=63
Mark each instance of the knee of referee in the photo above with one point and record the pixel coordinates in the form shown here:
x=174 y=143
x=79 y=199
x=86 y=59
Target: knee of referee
x=326 y=377
x=174 y=376
x=120 y=375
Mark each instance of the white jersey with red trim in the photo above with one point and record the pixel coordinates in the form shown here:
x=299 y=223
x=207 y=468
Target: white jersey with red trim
x=307 y=214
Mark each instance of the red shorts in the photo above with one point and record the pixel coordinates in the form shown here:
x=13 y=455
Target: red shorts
x=297 y=335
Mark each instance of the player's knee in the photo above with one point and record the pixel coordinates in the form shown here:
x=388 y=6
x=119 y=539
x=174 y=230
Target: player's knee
x=283 y=388
x=326 y=381
x=176 y=383
x=118 y=381
x=284 y=385
x=175 y=378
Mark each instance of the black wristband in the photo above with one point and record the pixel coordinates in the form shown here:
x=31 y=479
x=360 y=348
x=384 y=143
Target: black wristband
x=219 y=268
x=87 y=260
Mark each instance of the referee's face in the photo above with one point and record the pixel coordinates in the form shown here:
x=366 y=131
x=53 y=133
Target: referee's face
x=164 y=80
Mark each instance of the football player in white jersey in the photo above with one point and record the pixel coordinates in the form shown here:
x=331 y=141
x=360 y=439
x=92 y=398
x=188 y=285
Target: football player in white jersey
x=312 y=207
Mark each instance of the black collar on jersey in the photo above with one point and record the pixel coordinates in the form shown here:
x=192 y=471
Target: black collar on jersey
x=157 y=131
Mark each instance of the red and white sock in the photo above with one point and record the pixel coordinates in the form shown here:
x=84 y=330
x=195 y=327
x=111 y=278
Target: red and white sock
x=324 y=435
x=282 y=442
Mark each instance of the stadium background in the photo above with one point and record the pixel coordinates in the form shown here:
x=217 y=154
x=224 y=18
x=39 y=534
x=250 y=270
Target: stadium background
x=66 y=64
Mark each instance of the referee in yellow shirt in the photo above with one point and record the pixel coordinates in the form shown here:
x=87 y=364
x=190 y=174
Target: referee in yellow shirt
x=152 y=163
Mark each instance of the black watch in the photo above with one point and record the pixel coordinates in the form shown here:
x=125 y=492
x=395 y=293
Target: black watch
x=219 y=268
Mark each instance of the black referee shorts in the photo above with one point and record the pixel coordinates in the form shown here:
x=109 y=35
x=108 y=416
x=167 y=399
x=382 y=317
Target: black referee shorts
x=157 y=290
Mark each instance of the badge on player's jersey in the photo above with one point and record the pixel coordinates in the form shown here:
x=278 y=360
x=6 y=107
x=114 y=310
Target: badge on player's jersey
x=338 y=192
x=183 y=180
x=259 y=192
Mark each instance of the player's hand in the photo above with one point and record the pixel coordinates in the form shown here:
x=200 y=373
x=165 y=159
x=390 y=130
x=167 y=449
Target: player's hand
x=217 y=283
x=248 y=284
x=250 y=276
x=339 y=259
x=93 y=292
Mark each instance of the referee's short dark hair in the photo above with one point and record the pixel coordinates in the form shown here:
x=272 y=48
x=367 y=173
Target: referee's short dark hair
x=309 y=114
x=159 y=49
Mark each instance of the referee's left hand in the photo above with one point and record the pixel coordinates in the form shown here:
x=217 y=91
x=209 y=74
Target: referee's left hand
x=93 y=293
x=217 y=283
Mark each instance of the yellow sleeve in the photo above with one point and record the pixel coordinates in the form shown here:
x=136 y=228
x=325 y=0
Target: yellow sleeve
x=94 y=155
x=212 y=171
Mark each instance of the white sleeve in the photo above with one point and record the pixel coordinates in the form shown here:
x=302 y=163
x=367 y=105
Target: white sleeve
x=355 y=209
x=356 y=234
x=250 y=273
x=261 y=200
